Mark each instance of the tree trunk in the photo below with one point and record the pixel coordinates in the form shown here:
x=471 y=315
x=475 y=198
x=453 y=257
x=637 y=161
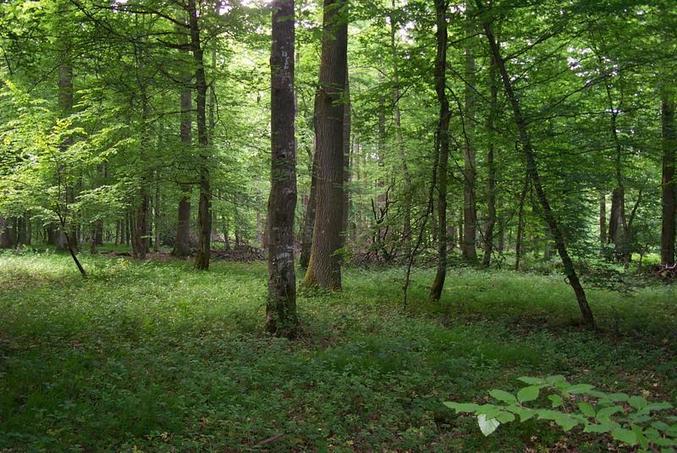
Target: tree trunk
x=401 y=152
x=204 y=207
x=468 y=249
x=281 y=318
x=618 y=227
x=519 y=248
x=324 y=267
x=346 y=161
x=442 y=145
x=491 y=168
x=309 y=219
x=602 y=220
x=532 y=170
x=669 y=186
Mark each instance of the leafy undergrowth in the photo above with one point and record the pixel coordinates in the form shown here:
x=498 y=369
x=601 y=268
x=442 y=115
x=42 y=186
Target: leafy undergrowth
x=158 y=357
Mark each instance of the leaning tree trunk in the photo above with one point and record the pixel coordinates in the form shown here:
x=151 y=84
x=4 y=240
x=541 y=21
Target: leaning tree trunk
x=204 y=206
x=669 y=185
x=532 y=169
x=281 y=318
x=442 y=145
x=491 y=168
x=324 y=267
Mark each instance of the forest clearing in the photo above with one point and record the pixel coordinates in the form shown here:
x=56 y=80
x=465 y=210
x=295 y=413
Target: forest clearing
x=159 y=356
x=338 y=225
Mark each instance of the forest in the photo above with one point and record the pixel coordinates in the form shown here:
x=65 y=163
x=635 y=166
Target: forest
x=338 y=225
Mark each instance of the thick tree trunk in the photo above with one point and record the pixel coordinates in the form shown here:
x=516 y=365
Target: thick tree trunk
x=532 y=169
x=281 y=318
x=468 y=248
x=442 y=145
x=669 y=185
x=324 y=267
x=204 y=207
x=491 y=168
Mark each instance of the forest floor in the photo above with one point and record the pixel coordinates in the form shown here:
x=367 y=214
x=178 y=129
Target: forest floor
x=155 y=356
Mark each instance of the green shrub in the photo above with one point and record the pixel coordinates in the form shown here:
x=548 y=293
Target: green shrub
x=629 y=420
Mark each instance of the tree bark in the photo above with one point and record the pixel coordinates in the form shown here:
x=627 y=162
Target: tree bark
x=204 y=206
x=442 y=145
x=182 y=241
x=324 y=267
x=401 y=152
x=468 y=248
x=519 y=247
x=491 y=167
x=346 y=161
x=602 y=220
x=281 y=318
x=669 y=185
x=532 y=169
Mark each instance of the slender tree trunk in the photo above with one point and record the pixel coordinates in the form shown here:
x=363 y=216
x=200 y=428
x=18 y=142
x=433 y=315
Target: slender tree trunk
x=156 y=214
x=468 y=249
x=346 y=161
x=401 y=152
x=602 y=220
x=281 y=318
x=618 y=227
x=519 y=247
x=204 y=207
x=532 y=169
x=309 y=219
x=669 y=185
x=491 y=167
x=66 y=100
x=442 y=145
x=324 y=267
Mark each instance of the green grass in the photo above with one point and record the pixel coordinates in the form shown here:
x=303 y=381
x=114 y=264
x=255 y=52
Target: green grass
x=158 y=357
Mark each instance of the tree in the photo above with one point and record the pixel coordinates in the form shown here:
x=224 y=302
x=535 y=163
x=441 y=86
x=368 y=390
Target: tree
x=668 y=185
x=281 y=318
x=324 y=266
x=442 y=145
x=532 y=170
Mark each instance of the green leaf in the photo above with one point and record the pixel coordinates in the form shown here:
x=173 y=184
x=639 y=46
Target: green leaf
x=557 y=379
x=528 y=393
x=660 y=406
x=504 y=396
x=579 y=388
x=566 y=421
x=487 y=425
x=531 y=380
x=637 y=402
x=624 y=435
x=604 y=414
x=505 y=417
x=556 y=400
x=524 y=413
x=586 y=409
x=598 y=428
x=462 y=407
